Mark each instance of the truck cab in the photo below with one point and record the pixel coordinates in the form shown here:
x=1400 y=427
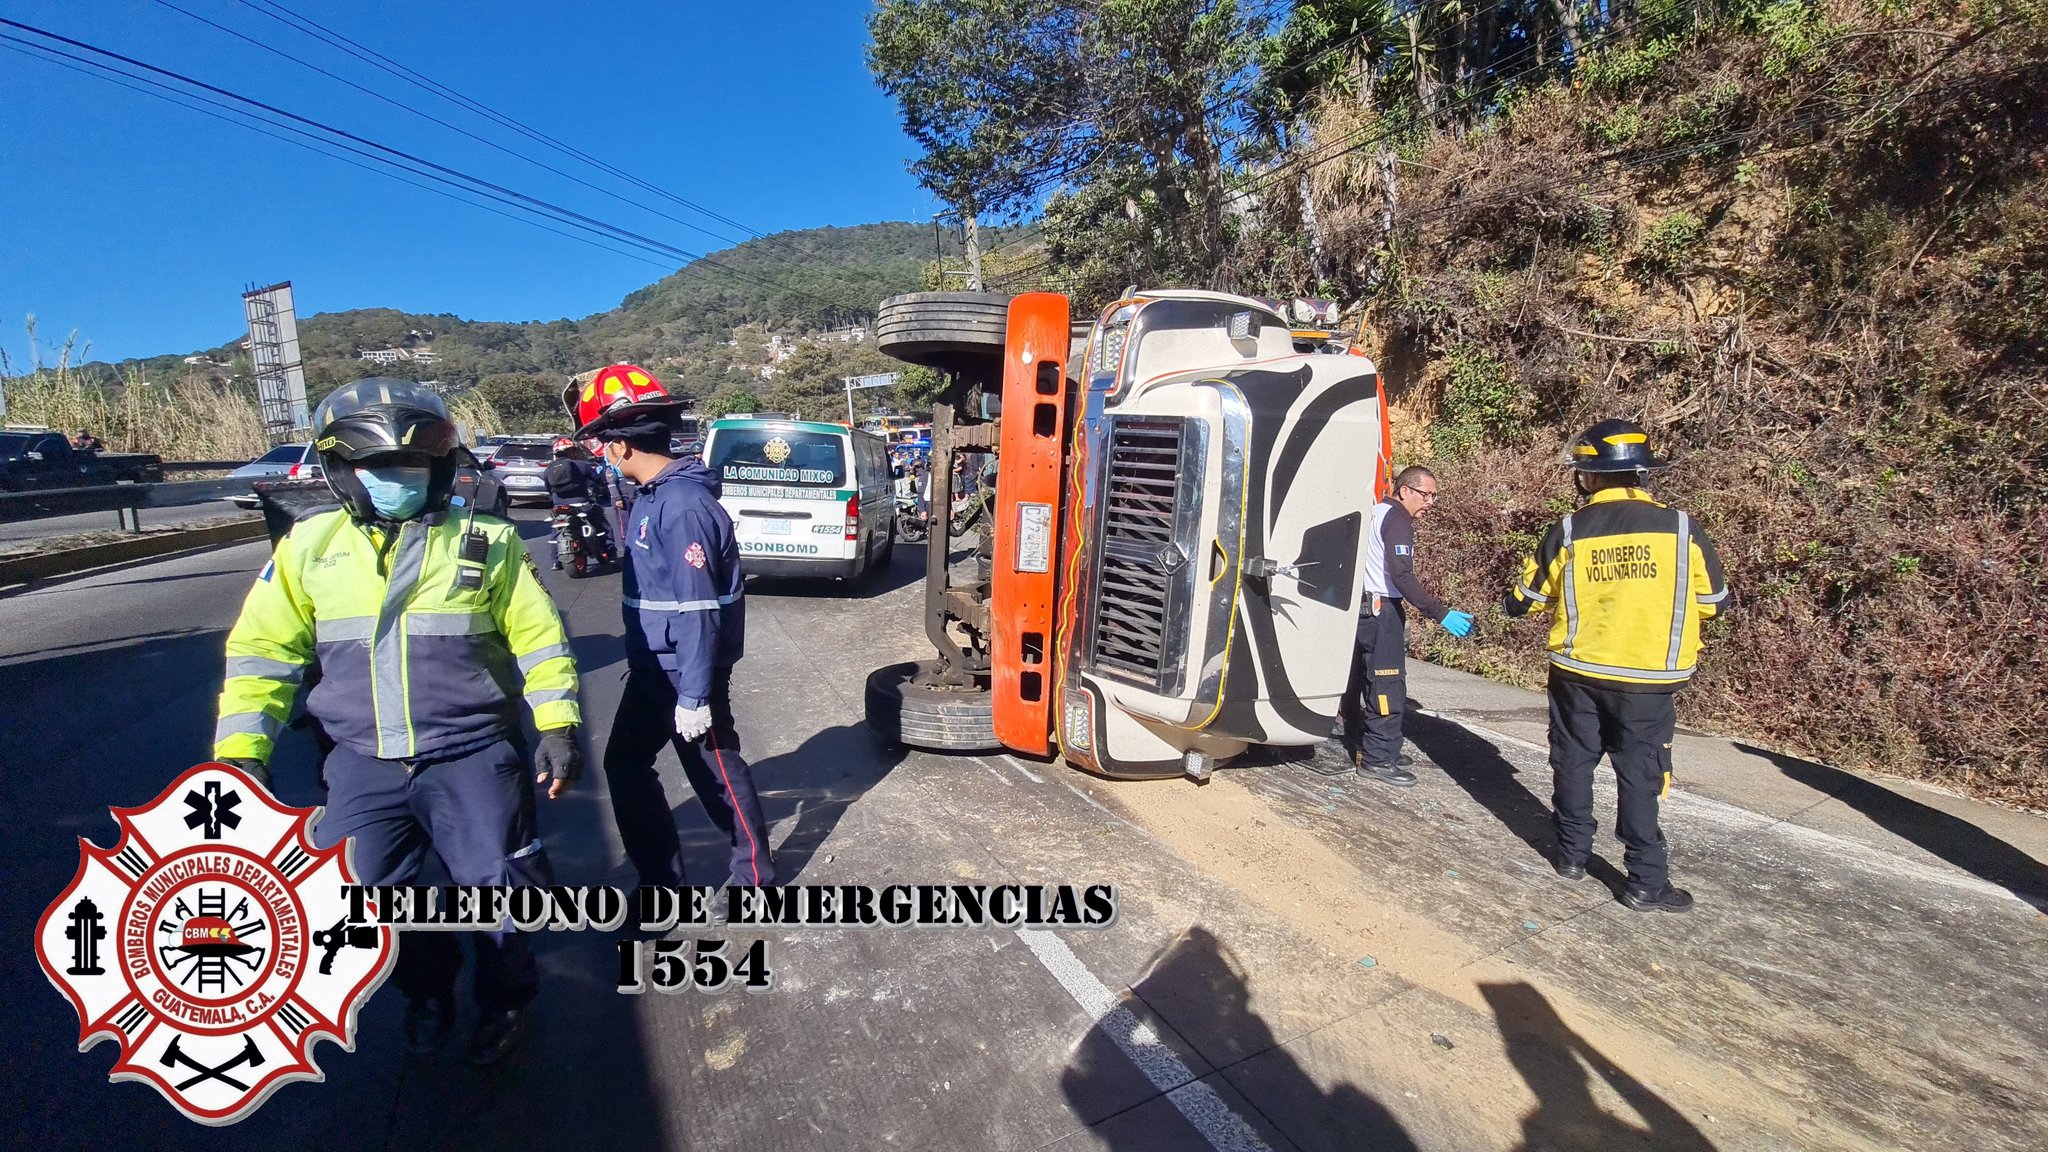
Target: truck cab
x=1174 y=569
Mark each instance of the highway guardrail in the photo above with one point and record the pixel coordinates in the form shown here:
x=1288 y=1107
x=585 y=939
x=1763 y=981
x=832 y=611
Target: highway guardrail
x=125 y=499
x=44 y=565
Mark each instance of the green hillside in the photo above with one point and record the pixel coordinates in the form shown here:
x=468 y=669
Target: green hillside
x=681 y=326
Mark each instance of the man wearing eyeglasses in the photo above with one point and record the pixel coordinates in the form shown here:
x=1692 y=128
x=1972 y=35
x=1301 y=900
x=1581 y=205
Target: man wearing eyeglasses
x=1377 y=693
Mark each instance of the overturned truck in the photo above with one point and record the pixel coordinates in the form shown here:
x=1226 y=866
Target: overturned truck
x=1172 y=571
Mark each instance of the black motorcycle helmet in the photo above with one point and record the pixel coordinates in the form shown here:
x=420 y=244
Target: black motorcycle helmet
x=379 y=416
x=1615 y=446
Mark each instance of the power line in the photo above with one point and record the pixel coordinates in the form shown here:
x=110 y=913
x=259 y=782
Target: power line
x=309 y=27
x=403 y=106
x=421 y=166
x=160 y=92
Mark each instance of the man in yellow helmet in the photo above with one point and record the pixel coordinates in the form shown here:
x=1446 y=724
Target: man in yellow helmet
x=428 y=625
x=1629 y=582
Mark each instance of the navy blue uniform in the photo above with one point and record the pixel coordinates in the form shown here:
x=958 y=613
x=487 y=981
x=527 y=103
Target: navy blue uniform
x=474 y=810
x=686 y=621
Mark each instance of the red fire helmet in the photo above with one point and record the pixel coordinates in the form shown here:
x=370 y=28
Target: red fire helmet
x=617 y=394
x=211 y=935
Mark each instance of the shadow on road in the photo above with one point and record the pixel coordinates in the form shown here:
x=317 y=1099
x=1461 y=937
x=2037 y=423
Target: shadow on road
x=1559 y=1066
x=1201 y=988
x=1474 y=764
x=1955 y=840
x=83 y=730
x=806 y=791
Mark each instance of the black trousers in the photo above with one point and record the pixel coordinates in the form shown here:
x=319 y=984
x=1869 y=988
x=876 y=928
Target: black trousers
x=476 y=812
x=1634 y=729
x=720 y=775
x=1377 y=692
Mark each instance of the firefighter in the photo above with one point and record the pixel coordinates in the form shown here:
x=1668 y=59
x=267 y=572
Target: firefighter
x=685 y=618
x=1377 y=692
x=427 y=625
x=1628 y=582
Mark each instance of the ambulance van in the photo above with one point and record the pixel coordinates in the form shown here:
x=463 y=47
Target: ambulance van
x=806 y=498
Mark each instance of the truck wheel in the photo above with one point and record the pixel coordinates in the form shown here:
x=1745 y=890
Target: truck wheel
x=938 y=719
x=959 y=332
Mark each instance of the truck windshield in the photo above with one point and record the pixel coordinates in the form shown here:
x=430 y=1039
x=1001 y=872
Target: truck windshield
x=779 y=456
x=13 y=443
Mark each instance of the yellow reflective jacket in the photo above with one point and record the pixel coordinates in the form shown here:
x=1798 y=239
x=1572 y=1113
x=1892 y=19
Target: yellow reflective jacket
x=1629 y=581
x=411 y=665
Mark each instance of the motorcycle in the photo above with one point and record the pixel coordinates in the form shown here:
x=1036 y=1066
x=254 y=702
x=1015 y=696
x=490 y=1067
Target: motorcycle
x=582 y=536
x=911 y=526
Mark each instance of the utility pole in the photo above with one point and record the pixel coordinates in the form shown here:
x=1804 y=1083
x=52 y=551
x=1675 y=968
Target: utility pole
x=973 y=255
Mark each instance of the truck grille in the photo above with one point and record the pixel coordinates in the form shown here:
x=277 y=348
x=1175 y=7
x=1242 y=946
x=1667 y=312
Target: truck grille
x=1141 y=561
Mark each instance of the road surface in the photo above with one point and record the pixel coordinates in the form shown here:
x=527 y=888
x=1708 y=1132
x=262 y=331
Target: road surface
x=1300 y=961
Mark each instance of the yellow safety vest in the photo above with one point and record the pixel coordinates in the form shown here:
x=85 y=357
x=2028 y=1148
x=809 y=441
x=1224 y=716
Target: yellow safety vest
x=1629 y=582
x=411 y=664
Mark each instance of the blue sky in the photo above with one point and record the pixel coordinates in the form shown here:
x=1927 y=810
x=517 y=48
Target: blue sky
x=139 y=223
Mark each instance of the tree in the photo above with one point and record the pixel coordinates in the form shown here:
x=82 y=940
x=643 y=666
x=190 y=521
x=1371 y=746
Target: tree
x=729 y=400
x=529 y=402
x=1012 y=98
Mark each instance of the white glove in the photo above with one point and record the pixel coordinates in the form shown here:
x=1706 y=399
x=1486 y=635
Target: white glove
x=692 y=722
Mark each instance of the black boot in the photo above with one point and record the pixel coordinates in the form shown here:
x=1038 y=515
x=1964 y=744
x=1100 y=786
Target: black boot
x=427 y=1025
x=1669 y=900
x=1395 y=773
x=495 y=1035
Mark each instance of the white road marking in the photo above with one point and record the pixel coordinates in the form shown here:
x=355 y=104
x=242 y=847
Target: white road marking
x=1223 y=1128
x=1034 y=777
x=1091 y=801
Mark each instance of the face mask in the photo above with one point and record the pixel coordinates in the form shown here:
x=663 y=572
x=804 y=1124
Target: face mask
x=396 y=493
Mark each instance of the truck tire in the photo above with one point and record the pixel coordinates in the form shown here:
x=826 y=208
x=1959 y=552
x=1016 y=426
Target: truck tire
x=936 y=719
x=959 y=332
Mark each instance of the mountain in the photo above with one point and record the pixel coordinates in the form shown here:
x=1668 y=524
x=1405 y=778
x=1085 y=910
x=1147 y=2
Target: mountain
x=682 y=326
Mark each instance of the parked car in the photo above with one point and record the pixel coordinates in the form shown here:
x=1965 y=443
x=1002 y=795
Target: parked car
x=303 y=491
x=276 y=462
x=34 y=457
x=521 y=464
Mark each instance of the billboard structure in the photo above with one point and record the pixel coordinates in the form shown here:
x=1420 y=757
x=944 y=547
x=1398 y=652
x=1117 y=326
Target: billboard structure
x=274 y=350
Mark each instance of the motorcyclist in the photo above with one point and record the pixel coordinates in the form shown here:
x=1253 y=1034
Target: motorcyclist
x=576 y=484
x=432 y=637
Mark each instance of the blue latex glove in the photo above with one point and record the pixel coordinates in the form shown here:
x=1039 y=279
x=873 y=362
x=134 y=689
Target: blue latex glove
x=1458 y=623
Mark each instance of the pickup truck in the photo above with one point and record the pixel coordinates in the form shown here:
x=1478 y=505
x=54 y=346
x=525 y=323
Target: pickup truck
x=38 y=458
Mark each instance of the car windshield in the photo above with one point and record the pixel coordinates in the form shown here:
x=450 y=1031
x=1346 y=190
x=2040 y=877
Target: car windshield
x=282 y=454
x=524 y=453
x=776 y=456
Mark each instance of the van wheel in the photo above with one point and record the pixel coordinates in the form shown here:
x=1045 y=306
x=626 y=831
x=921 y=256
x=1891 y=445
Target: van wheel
x=888 y=555
x=935 y=718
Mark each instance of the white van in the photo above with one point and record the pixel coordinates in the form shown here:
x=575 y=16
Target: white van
x=806 y=498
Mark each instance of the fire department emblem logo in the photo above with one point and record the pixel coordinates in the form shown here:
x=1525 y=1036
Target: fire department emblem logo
x=776 y=450
x=694 y=555
x=212 y=944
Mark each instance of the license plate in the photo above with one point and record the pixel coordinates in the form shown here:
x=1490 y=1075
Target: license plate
x=775 y=528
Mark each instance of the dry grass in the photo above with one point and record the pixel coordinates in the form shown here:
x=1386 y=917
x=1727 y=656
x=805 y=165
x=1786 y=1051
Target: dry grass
x=1814 y=261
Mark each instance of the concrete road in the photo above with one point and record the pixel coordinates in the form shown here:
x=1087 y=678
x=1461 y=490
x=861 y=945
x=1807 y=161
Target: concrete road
x=1300 y=962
